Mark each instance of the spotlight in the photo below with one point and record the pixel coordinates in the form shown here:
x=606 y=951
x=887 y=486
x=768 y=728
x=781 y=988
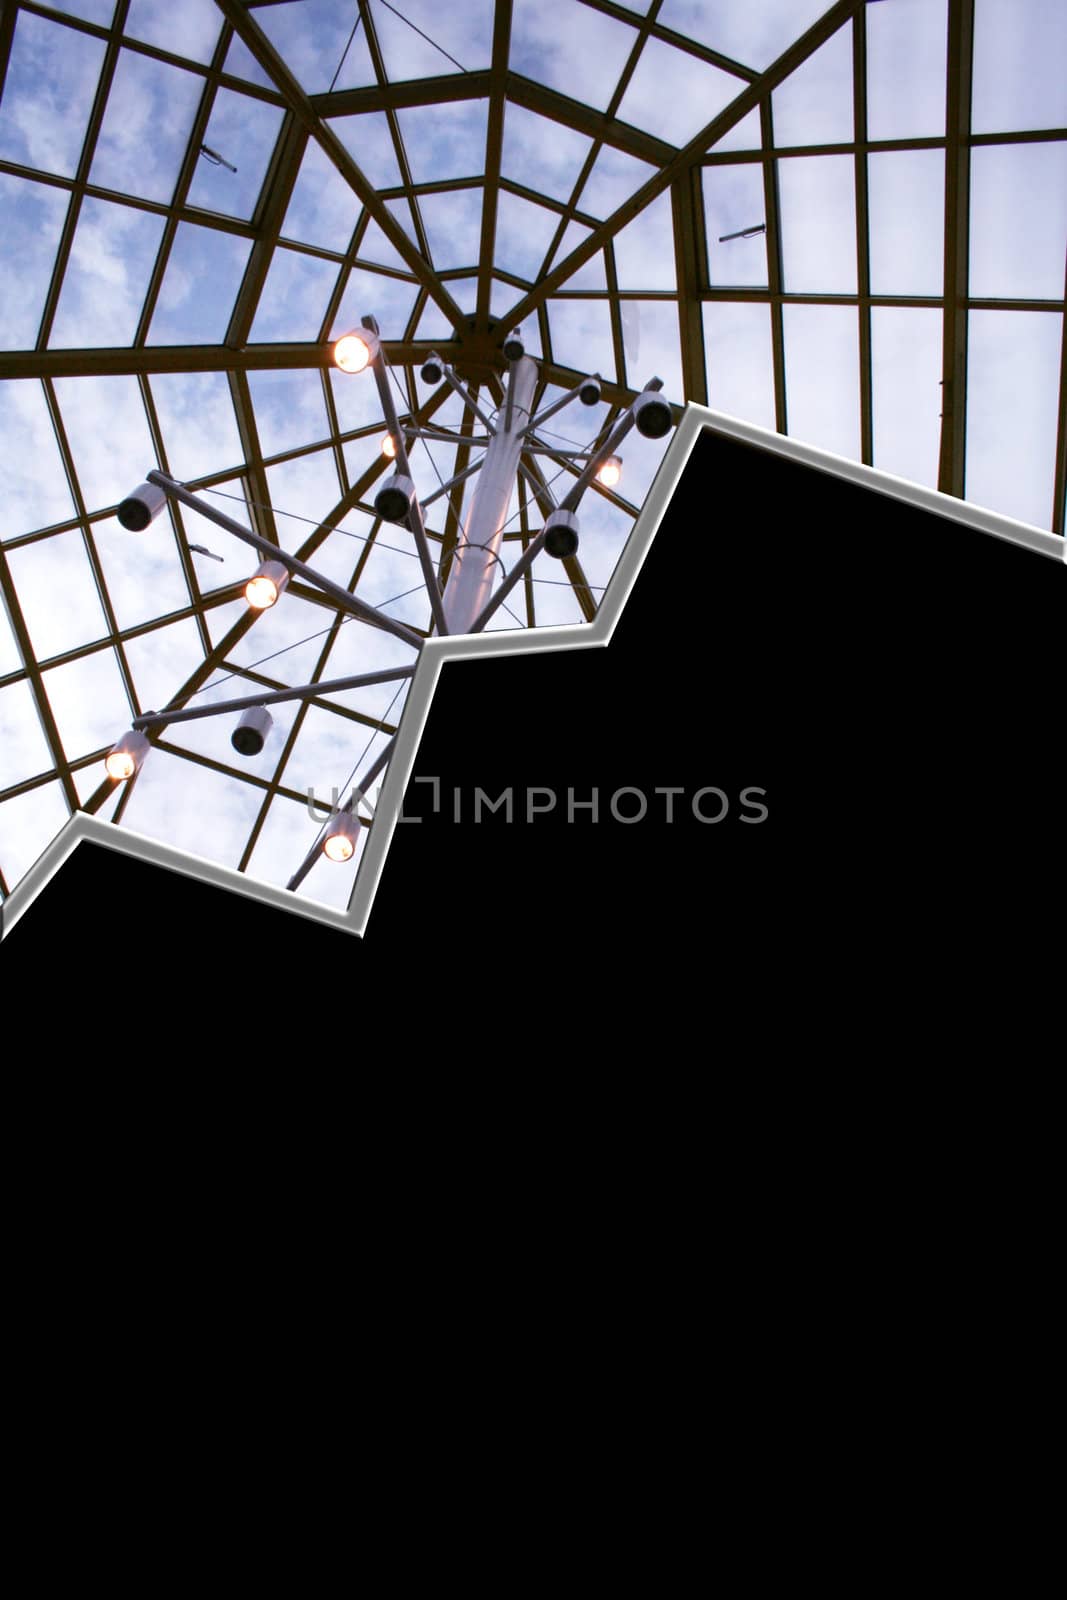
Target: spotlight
x=266 y=584
x=127 y=757
x=561 y=534
x=339 y=840
x=353 y=352
x=433 y=370
x=141 y=507
x=609 y=472
x=589 y=393
x=388 y=447
x=652 y=415
x=393 y=500
x=250 y=734
x=514 y=349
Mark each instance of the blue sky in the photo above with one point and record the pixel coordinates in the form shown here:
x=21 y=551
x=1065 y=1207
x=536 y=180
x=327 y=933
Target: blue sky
x=75 y=446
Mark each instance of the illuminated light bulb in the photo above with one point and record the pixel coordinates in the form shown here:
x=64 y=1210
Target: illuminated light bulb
x=388 y=446
x=339 y=843
x=354 y=352
x=265 y=585
x=610 y=473
x=126 y=758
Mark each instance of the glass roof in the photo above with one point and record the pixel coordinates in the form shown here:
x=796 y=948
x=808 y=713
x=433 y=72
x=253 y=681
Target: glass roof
x=845 y=222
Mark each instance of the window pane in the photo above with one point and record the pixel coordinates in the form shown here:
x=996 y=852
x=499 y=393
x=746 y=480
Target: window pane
x=524 y=232
x=31 y=221
x=818 y=206
x=814 y=104
x=1013 y=370
x=644 y=249
x=190 y=29
x=453 y=224
x=289 y=407
x=447 y=140
x=463 y=32
x=739 y=361
x=822 y=377
x=545 y=156
x=33 y=485
x=294 y=298
x=571 y=48
x=108 y=435
x=581 y=336
x=1020 y=47
x=57 y=592
x=733 y=201
x=907 y=51
x=107 y=276
x=143 y=138
x=185 y=312
x=48 y=93
x=754 y=35
x=906 y=201
x=1018 y=221
x=197 y=422
x=906 y=392
x=242 y=131
x=675 y=95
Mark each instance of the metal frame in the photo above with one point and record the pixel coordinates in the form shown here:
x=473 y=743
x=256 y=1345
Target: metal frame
x=474 y=350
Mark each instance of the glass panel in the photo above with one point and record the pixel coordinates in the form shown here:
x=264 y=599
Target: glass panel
x=33 y=485
x=98 y=11
x=368 y=141
x=543 y=155
x=357 y=402
x=453 y=224
x=814 y=104
x=907 y=45
x=108 y=435
x=445 y=141
x=754 y=35
x=242 y=131
x=48 y=93
x=289 y=409
x=161 y=662
x=142 y=570
x=57 y=592
x=107 y=276
x=744 y=135
x=31 y=221
x=906 y=209
x=190 y=29
x=312 y=37
x=242 y=63
x=284 y=840
x=659 y=350
x=463 y=32
x=89 y=703
x=822 y=377
x=308 y=487
x=184 y=313
x=818 y=206
x=27 y=826
x=571 y=48
x=372 y=294
x=644 y=249
x=1018 y=221
x=24 y=749
x=294 y=298
x=674 y=95
x=524 y=232
x=374 y=246
x=1020 y=47
x=615 y=176
x=592 y=274
x=146 y=127
x=1013 y=356
x=734 y=201
x=581 y=336
x=739 y=361
x=197 y=422
x=906 y=392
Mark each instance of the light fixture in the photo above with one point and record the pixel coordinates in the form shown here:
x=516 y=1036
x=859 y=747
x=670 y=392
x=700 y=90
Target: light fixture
x=354 y=352
x=339 y=840
x=589 y=393
x=127 y=757
x=514 y=349
x=141 y=507
x=250 y=734
x=388 y=447
x=609 y=472
x=653 y=415
x=561 y=534
x=394 y=498
x=266 y=584
x=433 y=370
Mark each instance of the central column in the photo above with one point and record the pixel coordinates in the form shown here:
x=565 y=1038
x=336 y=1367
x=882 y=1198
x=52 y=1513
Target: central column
x=470 y=581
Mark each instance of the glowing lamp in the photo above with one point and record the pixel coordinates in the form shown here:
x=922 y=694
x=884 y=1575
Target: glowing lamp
x=339 y=841
x=354 y=352
x=610 y=472
x=127 y=757
x=265 y=585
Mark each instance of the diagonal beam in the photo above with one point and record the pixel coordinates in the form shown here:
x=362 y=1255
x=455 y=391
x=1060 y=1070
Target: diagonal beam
x=278 y=191
x=493 y=149
x=952 y=465
x=751 y=96
x=298 y=102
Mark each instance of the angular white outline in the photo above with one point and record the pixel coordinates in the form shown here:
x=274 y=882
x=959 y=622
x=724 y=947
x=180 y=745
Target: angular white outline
x=436 y=652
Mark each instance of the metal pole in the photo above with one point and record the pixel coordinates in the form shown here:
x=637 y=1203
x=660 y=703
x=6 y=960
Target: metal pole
x=471 y=579
x=341 y=597
x=306 y=691
x=429 y=576
x=350 y=805
x=519 y=570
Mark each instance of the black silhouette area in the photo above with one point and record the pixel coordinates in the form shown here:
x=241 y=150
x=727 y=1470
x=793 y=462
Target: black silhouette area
x=891 y=681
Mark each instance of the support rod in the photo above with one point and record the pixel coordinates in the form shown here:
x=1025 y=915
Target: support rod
x=471 y=578
x=519 y=570
x=475 y=466
x=307 y=691
x=468 y=400
x=557 y=405
x=272 y=552
x=415 y=522
x=350 y=804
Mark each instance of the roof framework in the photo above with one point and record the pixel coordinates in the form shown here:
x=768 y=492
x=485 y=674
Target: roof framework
x=584 y=267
